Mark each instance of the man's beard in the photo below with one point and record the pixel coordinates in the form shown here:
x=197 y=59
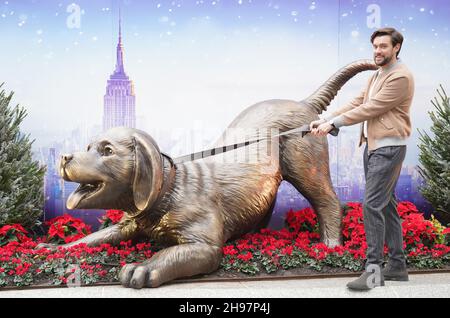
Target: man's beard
x=386 y=60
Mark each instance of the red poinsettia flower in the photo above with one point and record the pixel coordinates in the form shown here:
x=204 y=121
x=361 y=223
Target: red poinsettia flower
x=57 y=229
x=114 y=215
x=13 y=232
x=229 y=250
x=66 y=229
x=245 y=256
x=405 y=208
x=302 y=220
x=111 y=217
x=417 y=230
x=17 y=227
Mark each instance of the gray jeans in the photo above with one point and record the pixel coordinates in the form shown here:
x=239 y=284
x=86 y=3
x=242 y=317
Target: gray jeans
x=381 y=220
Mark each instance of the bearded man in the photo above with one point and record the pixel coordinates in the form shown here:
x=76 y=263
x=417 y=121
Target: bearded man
x=383 y=110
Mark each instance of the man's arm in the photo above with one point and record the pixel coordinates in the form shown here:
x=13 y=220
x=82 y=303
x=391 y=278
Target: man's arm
x=352 y=105
x=356 y=102
x=390 y=96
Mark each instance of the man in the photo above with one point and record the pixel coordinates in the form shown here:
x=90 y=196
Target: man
x=383 y=111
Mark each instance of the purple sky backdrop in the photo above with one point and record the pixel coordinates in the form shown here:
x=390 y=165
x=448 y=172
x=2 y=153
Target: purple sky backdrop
x=200 y=63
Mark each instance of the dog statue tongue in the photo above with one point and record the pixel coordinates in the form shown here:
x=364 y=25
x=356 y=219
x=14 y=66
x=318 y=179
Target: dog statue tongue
x=196 y=206
x=83 y=191
x=73 y=200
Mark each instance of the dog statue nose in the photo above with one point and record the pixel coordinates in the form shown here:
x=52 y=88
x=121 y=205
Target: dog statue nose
x=66 y=158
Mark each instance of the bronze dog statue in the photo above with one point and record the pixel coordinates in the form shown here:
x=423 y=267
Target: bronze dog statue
x=195 y=207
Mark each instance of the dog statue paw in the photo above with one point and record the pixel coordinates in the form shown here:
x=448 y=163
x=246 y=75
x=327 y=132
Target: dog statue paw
x=138 y=276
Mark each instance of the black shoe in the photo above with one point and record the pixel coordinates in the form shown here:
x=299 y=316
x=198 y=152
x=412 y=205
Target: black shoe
x=395 y=273
x=366 y=282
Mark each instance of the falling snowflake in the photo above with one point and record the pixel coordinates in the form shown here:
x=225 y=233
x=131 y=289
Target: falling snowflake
x=164 y=19
x=49 y=55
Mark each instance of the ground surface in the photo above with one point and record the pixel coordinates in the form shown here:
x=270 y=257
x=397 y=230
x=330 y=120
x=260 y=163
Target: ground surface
x=420 y=285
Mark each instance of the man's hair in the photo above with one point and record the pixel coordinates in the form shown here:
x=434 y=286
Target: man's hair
x=397 y=37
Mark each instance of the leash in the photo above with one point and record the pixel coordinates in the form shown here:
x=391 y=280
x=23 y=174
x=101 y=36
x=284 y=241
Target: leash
x=218 y=150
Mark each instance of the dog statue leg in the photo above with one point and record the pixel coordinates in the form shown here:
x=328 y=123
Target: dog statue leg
x=183 y=260
x=111 y=235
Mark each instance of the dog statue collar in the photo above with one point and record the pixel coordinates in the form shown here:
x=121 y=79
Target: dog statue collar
x=168 y=179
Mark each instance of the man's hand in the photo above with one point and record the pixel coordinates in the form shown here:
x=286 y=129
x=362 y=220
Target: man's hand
x=316 y=123
x=322 y=130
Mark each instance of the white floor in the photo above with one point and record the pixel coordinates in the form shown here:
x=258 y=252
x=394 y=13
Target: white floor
x=420 y=285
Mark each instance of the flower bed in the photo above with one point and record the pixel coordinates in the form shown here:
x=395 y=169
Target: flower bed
x=296 y=246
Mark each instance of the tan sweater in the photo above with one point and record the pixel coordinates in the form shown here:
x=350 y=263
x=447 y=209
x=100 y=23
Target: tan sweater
x=387 y=112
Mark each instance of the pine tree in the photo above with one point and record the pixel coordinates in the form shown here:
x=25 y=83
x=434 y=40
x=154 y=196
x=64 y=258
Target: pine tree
x=21 y=178
x=435 y=157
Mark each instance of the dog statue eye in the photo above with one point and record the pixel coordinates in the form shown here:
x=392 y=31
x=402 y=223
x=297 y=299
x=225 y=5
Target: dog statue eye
x=108 y=151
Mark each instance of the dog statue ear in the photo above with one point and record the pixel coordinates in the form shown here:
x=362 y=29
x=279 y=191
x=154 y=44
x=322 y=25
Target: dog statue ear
x=148 y=172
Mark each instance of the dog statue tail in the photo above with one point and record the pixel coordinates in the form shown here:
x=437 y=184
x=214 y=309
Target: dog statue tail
x=321 y=98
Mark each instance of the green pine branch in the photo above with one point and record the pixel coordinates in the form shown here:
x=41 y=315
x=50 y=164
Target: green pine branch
x=435 y=156
x=21 y=178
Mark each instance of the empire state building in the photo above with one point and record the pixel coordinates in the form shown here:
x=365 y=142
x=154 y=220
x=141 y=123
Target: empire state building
x=119 y=100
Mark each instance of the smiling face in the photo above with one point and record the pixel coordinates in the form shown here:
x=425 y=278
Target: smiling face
x=104 y=171
x=384 y=53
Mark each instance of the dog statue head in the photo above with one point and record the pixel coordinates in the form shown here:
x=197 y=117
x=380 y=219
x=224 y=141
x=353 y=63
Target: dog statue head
x=121 y=169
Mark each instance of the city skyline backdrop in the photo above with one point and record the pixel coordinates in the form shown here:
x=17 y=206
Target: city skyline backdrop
x=197 y=64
